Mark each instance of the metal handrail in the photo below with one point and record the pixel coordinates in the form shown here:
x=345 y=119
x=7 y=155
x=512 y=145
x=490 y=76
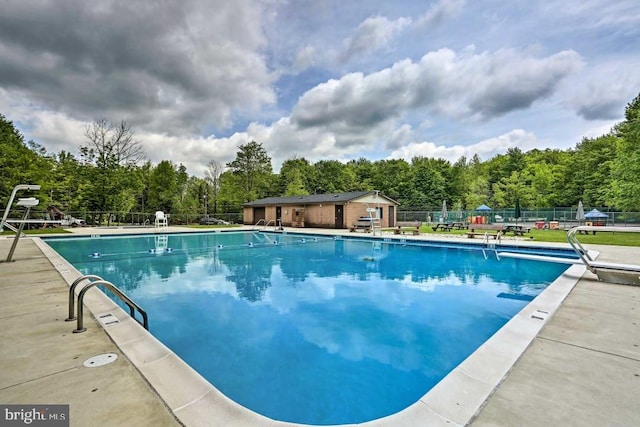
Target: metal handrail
x=265 y=222
x=72 y=293
x=578 y=248
x=13 y=195
x=132 y=305
x=12 y=228
x=584 y=254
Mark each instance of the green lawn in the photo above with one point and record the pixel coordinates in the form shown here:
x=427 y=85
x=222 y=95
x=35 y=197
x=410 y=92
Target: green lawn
x=37 y=231
x=601 y=238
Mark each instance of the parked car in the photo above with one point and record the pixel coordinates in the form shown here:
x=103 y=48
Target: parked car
x=209 y=220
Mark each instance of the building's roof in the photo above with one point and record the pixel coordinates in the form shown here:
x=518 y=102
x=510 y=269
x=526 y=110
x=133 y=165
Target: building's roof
x=313 y=199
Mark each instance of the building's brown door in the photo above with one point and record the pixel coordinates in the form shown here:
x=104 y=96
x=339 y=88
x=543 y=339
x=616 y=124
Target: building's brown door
x=278 y=216
x=339 y=220
x=258 y=214
x=392 y=216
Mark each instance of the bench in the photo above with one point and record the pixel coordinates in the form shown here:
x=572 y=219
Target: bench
x=496 y=236
x=485 y=229
x=361 y=225
x=413 y=226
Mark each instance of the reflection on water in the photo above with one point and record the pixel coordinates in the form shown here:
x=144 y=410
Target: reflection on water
x=292 y=327
x=248 y=260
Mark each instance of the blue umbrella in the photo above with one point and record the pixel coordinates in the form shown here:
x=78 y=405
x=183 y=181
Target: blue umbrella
x=595 y=213
x=483 y=208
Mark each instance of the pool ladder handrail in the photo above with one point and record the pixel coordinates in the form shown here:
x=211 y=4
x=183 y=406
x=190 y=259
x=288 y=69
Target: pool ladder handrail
x=265 y=223
x=578 y=248
x=113 y=288
x=487 y=245
x=593 y=265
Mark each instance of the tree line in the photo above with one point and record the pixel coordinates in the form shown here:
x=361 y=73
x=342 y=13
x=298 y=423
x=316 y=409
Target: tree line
x=110 y=174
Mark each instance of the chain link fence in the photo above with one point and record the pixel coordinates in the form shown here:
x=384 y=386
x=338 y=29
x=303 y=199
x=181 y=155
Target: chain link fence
x=119 y=219
x=566 y=217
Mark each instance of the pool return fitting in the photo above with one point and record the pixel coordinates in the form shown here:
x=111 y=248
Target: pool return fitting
x=95 y=281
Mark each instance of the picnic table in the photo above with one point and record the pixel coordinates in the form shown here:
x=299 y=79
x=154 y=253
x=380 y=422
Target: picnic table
x=442 y=226
x=448 y=226
x=517 y=230
x=406 y=226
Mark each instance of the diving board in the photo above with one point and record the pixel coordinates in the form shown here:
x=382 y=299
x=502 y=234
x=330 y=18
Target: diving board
x=625 y=274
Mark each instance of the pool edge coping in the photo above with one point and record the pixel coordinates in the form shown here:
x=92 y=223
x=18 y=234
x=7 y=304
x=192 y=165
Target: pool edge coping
x=456 y=399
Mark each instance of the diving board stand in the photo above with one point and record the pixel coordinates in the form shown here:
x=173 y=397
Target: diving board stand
x=624 y=274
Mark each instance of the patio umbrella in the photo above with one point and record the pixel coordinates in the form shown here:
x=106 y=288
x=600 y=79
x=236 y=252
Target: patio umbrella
x=444 y=214
x=580 y=212
x=484 y=209
x=518 y=212
x=595 y=214
x=459 y=212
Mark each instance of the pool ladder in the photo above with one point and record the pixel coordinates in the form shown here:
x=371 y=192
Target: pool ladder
x=95 y=281
x=489 y=246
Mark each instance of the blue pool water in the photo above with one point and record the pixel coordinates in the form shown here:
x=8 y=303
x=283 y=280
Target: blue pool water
x=311 y=329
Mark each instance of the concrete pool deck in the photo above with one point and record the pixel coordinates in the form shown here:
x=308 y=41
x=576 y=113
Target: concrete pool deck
x=582 y=367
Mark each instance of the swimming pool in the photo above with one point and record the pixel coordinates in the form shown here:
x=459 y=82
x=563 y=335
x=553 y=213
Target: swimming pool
x=311 y=329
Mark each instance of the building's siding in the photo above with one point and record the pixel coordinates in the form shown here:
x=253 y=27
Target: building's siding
x=322 y=215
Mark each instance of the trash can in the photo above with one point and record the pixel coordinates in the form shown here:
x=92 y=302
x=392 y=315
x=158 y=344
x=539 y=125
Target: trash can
x=539 y=225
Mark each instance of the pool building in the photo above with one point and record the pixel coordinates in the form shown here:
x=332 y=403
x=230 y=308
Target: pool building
x=331 y=210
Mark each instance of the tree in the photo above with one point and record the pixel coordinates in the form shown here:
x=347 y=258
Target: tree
x=364 y=171
x=591 y=169
x=510 y=189
x=394 y=178
x=626 y=168
x=113 y=153
x=253 y=166
x=293 y=170
x=296 y=186
x=429 y=182
x=163 y=188
x=19 y=163
x=332 y=176
x=212 y=178
x=110 y=144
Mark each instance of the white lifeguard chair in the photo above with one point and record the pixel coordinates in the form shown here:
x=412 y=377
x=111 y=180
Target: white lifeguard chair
x=161 y=220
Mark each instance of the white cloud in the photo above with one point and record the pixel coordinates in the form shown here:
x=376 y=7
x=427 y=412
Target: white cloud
x=485 y=149
x=372 y=34
x=192 y=65
x=440 y=11
x=203 y=67
x=478 y=86
x=602 y=92
x=305 y=58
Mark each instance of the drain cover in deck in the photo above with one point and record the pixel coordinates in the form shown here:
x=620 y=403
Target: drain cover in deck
x=100 y=360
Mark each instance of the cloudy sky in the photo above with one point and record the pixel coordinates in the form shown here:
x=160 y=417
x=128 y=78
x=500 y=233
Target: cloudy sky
x=320 y=79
